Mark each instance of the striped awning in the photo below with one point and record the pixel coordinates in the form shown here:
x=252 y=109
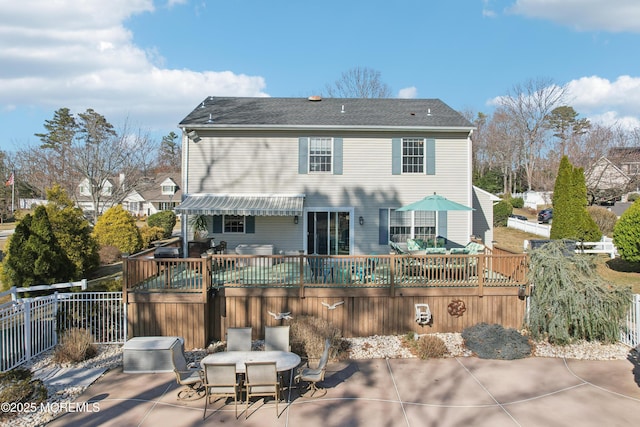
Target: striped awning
x=242 y=204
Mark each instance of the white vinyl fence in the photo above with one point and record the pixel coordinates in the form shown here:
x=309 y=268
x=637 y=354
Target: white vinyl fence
x=630 y=334
x=31 y=326
x=543 y=230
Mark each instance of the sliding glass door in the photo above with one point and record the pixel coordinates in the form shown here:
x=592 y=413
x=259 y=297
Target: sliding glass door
x=328 y=232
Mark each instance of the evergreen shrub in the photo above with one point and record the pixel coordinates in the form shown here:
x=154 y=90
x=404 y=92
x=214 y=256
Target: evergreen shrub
x=496 y=342
x=165 y=220
x=117 y=227
x=626 y=233
x=501 y=212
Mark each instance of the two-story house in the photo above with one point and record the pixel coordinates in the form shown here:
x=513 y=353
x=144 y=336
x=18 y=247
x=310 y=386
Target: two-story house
x=149 y=195
x=325 y=176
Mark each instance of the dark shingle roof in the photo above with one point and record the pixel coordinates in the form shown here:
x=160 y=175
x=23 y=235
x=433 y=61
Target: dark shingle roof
x=284 y=112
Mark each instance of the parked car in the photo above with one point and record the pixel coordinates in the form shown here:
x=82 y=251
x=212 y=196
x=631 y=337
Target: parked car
x=545 y=215
x=520 y=217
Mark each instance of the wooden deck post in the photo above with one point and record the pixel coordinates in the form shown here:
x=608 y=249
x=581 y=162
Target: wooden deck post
x=480 y=272
x=392 y=275
x=301 y=284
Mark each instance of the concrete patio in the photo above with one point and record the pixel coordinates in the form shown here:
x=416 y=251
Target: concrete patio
x=395 y=392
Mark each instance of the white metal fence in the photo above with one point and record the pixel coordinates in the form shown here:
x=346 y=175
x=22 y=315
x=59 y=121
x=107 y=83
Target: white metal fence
x=630 y=334
x=31 y=326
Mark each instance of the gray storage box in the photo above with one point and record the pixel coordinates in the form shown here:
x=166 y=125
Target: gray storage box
x=151 y=354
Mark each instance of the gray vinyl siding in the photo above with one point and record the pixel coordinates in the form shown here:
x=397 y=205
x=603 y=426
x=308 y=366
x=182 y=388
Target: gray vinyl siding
x=255 y=163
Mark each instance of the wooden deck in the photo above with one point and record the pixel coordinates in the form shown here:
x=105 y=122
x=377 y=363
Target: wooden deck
x=201 y=297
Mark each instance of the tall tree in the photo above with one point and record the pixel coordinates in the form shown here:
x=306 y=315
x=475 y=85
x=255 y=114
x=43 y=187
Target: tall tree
x=529 y=106
x=359 y=82
x=112 y=163
x=566 y=126
x=570 y=217
x=170 y=156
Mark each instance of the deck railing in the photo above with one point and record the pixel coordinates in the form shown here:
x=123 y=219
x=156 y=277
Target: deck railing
x=146 y=274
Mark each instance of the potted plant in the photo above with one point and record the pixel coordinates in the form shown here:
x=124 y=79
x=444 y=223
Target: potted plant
x=199 y=227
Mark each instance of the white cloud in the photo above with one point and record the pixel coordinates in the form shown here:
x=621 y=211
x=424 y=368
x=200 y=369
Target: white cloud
x=584 y=15
x=606 y=101
x=408 y=92
x=80 y=55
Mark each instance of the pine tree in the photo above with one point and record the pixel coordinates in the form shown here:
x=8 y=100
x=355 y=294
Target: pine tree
x=571 y=220
x=34 y=255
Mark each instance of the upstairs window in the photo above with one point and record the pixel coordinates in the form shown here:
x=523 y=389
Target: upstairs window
x=168 y=189
x=320 y=154
x=412 y=155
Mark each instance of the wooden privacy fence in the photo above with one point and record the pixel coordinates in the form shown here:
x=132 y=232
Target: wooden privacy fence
x=198 y=298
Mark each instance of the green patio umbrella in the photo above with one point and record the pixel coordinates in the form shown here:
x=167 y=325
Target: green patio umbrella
x=435 y=203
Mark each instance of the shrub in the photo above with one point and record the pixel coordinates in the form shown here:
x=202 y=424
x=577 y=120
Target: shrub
x=496 y=342
x=632 y=197
x=429 y=347
x=604 y=219
x=501 y=212
x=626 y=233
x=150 y=234
x=570 y=301
x=109 y=254
x=17 y=386
x=75 y=346
x=165 y=220
x=517 y=202
x=116 y=227
x=308 y=334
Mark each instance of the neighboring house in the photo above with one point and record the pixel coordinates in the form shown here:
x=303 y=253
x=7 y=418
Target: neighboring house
x=606 y=181
x=325 y=176
x=160 y=193
x=154 y=194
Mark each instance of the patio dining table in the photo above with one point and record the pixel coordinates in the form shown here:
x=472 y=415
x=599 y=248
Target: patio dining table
x=285 y=360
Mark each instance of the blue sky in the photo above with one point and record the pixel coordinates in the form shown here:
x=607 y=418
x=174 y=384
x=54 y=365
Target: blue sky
x=150 y=62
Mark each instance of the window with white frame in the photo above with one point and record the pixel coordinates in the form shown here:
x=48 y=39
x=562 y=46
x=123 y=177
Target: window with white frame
x=320 y=154
x=413 y=153
x=234 y=224
x=405 y=225
x=168 y=189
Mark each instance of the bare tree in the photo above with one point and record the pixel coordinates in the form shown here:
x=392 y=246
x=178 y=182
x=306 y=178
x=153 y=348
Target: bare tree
x=529 y=105
x=112 y=163
x=359 y=82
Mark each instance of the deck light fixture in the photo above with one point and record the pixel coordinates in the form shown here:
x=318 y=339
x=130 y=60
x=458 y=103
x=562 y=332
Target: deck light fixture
x=361 y=220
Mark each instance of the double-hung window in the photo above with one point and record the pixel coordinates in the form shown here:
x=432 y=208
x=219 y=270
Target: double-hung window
x=413 y=155
x=320 y=154
x=405 y=225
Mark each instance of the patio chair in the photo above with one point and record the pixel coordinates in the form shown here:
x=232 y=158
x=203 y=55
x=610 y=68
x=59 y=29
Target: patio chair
x=220 y=380
x=239 y=339
x=188 y=377
x=276 y=338
x=313 y=376
x=261 y=379
x=366 y=271
x=319 y=268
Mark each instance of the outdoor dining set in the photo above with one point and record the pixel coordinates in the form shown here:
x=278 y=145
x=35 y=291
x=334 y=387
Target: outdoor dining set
x=242 y=372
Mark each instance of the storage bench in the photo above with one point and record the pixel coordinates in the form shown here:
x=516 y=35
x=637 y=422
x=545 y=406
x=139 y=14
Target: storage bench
x=151 y=354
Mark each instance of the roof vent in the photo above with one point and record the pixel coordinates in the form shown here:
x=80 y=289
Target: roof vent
x=202 y=105
x=428 y=111
x=210 y=118
x=342 y=111
x=315 y=98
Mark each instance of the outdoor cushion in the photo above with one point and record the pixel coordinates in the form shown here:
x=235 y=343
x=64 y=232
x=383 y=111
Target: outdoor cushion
x=455 y=251
x=429 y=251
x=475 y=248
